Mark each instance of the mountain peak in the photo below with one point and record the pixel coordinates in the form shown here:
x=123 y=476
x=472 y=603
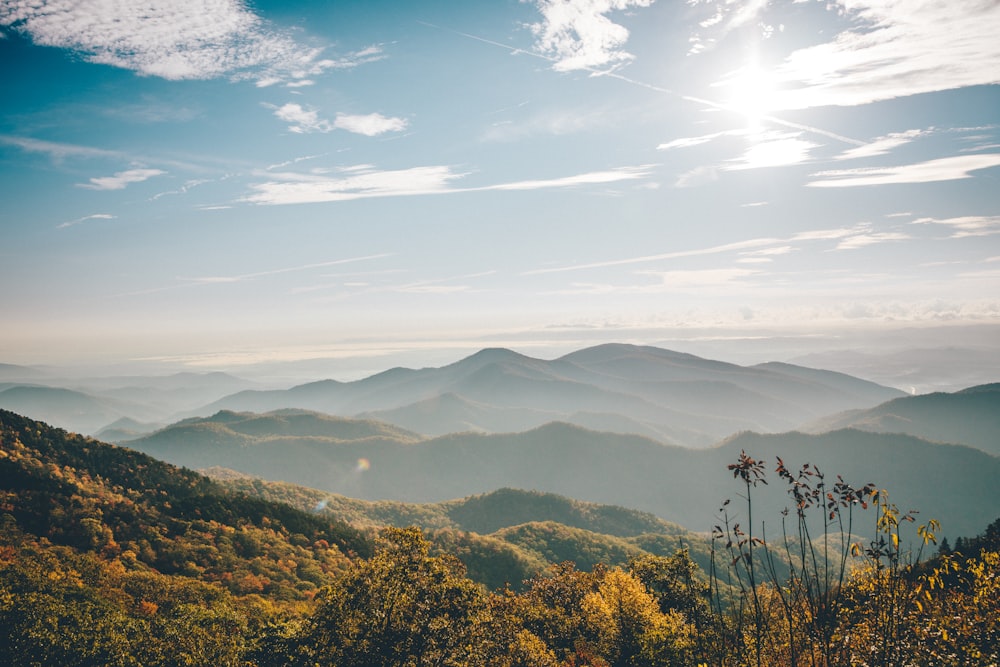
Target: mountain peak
x=492 y=355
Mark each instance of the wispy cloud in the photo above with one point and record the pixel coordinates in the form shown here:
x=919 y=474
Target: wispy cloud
x=172 y=39
x=273 y=272
x=356 y=184
x=441 y=285
x=728 y=247
x=941 y=169
x=181 y=190
x=897 y=48
x=121 y=179
x=687 y=142
x=577 y=34
x=302 y=121
x=591 y=178
x=58 y=151
x=773 y=150
x=871 y=238
x=365 y=181
x=697 y=176
x=725 y=16
x=760 y=247
x=700 y=277
x=95 y=216
x=882 y=145
x=970 y=225
x=890 y=48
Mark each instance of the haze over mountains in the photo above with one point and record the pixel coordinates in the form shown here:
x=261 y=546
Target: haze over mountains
x=640 y=427
x=369 y=460
x=665 y=395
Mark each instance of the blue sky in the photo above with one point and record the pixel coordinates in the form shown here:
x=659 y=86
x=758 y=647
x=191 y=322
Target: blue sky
x=219 y=184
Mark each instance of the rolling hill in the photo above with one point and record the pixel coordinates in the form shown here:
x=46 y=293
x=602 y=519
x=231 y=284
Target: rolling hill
x=952 y=483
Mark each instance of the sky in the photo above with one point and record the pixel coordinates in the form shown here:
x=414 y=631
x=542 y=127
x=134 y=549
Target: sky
x=216 y=184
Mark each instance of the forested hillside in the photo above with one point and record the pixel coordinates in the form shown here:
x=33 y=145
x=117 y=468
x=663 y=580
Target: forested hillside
x=675 y=483
x=111 y=557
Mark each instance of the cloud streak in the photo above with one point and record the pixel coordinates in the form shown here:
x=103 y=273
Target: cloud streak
x=95 y=216
x=941 y=169
x=364 y=181
x=759 y=247
x=965 y=226
x=122 y=179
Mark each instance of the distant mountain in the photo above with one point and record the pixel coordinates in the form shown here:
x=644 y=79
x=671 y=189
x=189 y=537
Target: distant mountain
x=15 y=373
x=968 y=417
x=125 y=429
x=69 y=409
x=954 y=484
x=90 y=405
x=918 y=370
x=672 y=396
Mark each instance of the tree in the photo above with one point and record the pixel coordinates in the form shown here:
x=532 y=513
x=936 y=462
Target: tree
x=401 y=608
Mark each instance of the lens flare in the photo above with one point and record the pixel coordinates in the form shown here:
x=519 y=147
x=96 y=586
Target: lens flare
x=363 y=465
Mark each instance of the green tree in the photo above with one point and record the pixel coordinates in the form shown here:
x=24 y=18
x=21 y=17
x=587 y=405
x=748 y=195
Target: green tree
x=400 y=608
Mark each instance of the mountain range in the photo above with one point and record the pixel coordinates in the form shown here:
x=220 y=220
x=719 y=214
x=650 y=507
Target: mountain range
x=954 y=483
x=970 y=416
x=665 y=395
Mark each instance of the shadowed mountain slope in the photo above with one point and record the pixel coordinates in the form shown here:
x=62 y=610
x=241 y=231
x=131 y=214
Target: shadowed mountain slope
x=968 y=417
x=952 y=483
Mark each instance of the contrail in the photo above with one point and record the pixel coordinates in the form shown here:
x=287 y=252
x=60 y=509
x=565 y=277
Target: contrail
x=688 y=98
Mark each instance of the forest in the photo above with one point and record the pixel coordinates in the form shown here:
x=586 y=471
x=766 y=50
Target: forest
x=111 y=557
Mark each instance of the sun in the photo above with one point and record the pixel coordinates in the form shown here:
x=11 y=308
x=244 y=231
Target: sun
x=750 y=92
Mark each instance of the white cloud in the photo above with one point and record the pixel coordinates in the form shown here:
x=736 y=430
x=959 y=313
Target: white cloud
x=364 y=181
x=357 y=184
x=121 y=179
x=697 y=176
x=871 y=238
x=882 y=145
x=896 y=48
x=95 y=216
x=885 y=49
x=172 y=39
x=290 y=269
x=773 y=150
x=58 y=151
x=972 y=225
x=728 y=247
x=577 y=35
x=687 y=142
x=302 y=120
x=700 y=277
x=942 y=169
x=591 y=178
x=370 y=125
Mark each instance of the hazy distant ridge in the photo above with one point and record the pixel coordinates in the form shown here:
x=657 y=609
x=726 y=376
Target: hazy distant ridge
x=667 y=395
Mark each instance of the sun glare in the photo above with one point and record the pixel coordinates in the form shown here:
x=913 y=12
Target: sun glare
x=751 y=93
